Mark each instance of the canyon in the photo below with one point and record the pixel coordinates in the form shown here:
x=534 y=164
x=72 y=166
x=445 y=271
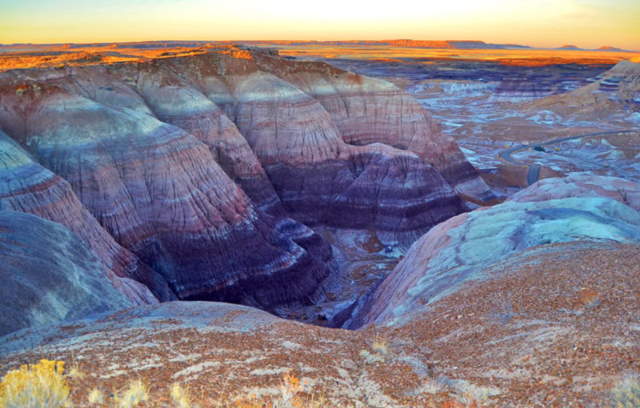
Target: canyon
x=395 y=229
x=165 y=165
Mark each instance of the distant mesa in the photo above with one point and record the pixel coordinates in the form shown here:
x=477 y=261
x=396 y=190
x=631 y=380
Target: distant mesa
x=464 y=44
x=569 y=47
x=135 y=180
x=609 y=48
x=404 y=43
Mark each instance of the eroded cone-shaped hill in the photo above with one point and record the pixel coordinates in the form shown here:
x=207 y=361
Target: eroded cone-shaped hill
x=308 y=159
x=199 y=165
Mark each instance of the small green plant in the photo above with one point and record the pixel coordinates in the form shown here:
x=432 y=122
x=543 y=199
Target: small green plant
x=40 y=385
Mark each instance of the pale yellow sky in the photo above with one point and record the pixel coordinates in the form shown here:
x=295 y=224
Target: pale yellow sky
x=544 y=23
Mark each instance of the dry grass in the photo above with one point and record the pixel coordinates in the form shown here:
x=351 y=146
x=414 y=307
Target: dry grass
x=180 y=396
x=44 y=385
x=41 y=385
x=626 y=394
x=75 y=373
x=380 y=345
x=95 y=397
x=291 y=395
x=136 y=393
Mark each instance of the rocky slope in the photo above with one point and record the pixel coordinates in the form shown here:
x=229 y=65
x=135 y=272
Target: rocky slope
x=551 y=326
x=48 y=274
x=461 y=249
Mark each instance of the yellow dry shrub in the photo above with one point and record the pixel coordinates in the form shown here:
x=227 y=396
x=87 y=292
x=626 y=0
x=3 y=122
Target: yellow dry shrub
x=95 y=397
x=39 y=385
x=380 y=345
x=180 y=396
x=75 y=373
x=291 y=395
x=290 y=388
x=135 y=393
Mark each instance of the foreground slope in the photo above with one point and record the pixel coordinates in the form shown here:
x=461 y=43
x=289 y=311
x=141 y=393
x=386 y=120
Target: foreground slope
x=552 y=324
x=544 y=329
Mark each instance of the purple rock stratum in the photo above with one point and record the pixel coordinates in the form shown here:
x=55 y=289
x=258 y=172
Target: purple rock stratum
x=201 y=177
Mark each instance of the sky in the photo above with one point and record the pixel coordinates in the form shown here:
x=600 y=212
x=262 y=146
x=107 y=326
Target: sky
x=542 y=23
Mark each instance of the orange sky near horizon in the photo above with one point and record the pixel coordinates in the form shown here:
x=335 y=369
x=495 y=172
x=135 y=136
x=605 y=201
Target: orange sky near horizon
x=541 y=23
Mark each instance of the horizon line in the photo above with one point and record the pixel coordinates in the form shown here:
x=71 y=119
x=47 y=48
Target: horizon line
x=315 y=41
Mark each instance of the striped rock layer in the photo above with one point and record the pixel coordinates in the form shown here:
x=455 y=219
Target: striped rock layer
x=615 y=92
x=205 y=169
x=27 y=187
x=460 y=250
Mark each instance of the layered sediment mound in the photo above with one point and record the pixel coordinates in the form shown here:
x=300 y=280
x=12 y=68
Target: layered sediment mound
x=28 y=187
x=582 y=185
x=205 y=167
x=49 y=274
x=614 y=93
x=367 y=110
x=159 y=192
x=462 y=248
x=313 y=167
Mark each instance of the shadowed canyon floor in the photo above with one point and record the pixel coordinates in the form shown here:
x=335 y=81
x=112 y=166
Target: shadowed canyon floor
x=142 y=185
